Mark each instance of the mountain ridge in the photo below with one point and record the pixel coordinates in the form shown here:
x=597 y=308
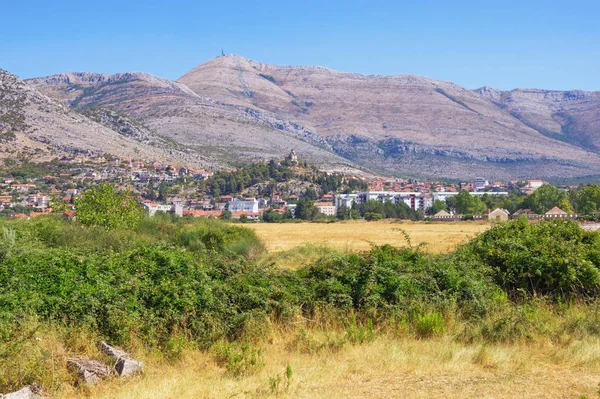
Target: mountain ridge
x=401 y=124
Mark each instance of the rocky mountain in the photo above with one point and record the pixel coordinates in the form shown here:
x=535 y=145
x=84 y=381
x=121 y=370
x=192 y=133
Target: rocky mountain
x=231 y=108
x=222 y=132
x=34 y=126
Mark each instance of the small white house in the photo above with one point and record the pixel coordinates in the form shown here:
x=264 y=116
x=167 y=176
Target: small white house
x=499 y=214
x=248 y=205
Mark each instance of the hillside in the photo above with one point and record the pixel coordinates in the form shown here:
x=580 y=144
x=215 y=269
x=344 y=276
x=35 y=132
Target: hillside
x=37 y=127
x=235 y=109
x=222 y=132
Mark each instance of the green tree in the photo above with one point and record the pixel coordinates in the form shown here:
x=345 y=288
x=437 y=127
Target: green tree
x=468 y=204
x=306 y=210
x=588 y=199
x=310 y=194
x=373 y=216
x=547 y=197
x=438 y=206
x=103 y=206
x=343 y=212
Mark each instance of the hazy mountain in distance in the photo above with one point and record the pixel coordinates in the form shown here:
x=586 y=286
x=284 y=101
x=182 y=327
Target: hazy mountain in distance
x=234 y=109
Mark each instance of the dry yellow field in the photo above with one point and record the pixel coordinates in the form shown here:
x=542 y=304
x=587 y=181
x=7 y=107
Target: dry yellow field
x=357 y=235
x=386 y=368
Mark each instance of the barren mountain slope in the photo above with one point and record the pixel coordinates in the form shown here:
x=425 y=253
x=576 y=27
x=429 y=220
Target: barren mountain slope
x=233 y=109
x=38 y=127
x=421 y=112
x=571 y=116
x=224 y=132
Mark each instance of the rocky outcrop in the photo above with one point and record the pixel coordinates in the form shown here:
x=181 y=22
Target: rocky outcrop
x=28 y=392
x=89 y=371
x=125 y=365
x=42 y=128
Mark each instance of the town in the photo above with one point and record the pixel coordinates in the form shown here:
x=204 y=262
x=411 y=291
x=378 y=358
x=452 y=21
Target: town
x=284 y=190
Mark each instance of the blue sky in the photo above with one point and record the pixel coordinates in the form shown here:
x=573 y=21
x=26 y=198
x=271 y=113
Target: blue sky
x=506 y=44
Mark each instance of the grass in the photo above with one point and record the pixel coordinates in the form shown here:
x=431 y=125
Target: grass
x=209 y=323
x=385 y=367
x=358 y=235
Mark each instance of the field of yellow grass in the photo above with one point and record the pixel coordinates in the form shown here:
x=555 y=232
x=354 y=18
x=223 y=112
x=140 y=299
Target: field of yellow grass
x=385 y=368
x=358 y=235
x=325 y=364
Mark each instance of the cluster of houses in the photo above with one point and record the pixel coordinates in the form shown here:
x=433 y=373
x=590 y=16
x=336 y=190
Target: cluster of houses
x=36 y=194
x=500 y=214
x=249 y=207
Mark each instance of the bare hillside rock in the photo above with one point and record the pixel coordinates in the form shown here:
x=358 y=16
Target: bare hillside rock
x=221 y=132
x=231 y=109
x=404 y=119
x=35 y=126
x=28 y=392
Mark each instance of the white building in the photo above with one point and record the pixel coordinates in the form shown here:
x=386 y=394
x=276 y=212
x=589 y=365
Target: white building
x=326 y=208
x=535 y=184
x=345 y=200
x=153 y=207
x=415 y=200
x=480 y=183
x=237 y=205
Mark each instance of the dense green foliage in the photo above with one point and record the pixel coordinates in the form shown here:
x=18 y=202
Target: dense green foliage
x=555 y=258
x=546 y=197
x=466 y=204
x=387 y=210
x=586 y=200
x=271 y=174
x=169 y=280
x=105 y=207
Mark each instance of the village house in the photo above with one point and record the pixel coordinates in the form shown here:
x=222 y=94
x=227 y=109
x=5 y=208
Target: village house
x=443 y=216
x=556 y=212
x=499 y=214
x=202 y=213
x=22 y=187
x=153 y=207
x=527 y=213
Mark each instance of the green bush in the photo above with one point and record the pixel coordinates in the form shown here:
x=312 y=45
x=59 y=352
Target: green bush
x=555 y=257
x=238 y=359
x=430 y=324
x=373 y=216
x=174 y=283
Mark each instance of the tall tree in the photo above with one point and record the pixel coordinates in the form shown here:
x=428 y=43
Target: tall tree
x=468 y=204
x=306 y=210
x=103 y=206
x=588 y=199
x=547 y=197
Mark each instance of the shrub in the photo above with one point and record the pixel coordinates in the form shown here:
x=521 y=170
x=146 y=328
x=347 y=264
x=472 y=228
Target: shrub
x=238 y=359
x=554 y=257
x=373 y=216
x=430 y=324
x=103 y=206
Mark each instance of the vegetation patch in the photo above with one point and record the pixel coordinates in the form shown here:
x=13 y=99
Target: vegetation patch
x=169 y=285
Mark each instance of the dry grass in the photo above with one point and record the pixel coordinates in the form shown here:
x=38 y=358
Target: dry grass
x=357 y=235
x=385 y=368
